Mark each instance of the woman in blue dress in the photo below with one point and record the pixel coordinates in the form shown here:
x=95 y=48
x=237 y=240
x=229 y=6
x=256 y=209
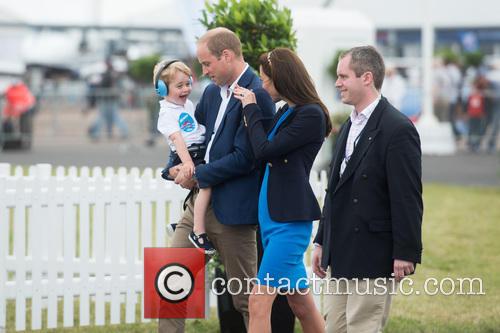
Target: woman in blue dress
x=287 y=205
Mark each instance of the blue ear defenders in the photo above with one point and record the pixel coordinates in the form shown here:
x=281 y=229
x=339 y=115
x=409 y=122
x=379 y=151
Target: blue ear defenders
x=161 y=86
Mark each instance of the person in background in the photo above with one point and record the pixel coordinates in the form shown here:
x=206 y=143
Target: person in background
x=476 y=110
x=18 y=101
x=453 y=90
x=493 y=117
x=108 y=97
x=394 y=87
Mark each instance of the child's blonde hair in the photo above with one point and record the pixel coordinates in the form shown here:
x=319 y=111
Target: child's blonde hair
x=168 y=73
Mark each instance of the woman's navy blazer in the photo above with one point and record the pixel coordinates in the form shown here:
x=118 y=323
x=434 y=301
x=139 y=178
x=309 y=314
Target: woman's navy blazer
x=290 y=156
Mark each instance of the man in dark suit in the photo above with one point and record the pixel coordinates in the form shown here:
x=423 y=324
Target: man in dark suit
x=370 y=228
x=230 y=169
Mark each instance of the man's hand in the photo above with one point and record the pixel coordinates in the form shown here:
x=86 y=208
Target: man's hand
x=184 y=182
x=316 y=262
x=188 y=169
x=402 y=268
x=174 y=171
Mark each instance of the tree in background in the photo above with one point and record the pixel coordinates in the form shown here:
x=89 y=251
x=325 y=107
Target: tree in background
x=261 y=25
x=473 y=59
x=141 y=70
x=339 y=117
x=467 y=59
x=332 y=68
x=448 y=55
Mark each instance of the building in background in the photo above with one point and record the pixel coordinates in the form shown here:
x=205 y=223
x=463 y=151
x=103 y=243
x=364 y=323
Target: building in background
x=462 y=25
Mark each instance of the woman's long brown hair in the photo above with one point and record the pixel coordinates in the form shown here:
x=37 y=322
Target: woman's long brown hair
x=291 y=79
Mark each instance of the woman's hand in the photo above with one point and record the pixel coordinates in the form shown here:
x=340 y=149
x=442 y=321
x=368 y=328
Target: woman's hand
x=244 y=95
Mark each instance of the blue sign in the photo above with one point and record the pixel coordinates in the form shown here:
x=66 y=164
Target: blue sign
x=469 y=41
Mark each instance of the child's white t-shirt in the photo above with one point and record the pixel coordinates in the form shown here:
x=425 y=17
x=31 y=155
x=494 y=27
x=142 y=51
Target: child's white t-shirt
x=180 y=118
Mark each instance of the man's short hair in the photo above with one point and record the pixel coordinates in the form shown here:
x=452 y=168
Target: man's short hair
x=367 y=59
x=220 y=39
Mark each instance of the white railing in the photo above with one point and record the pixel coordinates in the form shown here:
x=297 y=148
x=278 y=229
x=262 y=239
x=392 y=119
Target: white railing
x=79 y=235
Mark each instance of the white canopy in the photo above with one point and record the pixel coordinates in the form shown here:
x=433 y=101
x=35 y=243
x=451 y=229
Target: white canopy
x=323 y=31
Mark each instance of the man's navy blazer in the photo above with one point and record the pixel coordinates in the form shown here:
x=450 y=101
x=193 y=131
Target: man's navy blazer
x=373 y=212
x=232 y=172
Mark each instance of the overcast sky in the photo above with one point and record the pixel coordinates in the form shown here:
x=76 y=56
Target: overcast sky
x=98 y=11
x=107 y=11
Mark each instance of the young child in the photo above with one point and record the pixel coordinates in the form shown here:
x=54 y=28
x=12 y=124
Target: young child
x=185 y=136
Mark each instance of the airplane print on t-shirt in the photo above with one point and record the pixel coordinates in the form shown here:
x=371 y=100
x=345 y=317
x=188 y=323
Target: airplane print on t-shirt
x=186 y=122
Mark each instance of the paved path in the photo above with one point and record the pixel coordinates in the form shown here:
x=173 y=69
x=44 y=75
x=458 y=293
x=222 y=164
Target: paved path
x=463 y=169
x=66 y=144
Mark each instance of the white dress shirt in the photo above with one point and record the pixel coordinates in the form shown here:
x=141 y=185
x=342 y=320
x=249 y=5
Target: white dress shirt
x=225 y=93
x=358 y=123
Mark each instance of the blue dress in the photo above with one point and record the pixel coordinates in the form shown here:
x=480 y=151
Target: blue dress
x=284 y=243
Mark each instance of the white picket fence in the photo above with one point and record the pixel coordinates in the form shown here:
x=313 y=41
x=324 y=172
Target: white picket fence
x=79 y=234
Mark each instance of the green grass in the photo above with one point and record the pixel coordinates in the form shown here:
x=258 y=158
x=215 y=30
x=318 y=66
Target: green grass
x=193 y=325
x=461 y=236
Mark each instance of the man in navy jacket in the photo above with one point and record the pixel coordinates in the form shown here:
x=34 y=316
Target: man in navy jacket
x=371 y=224
x=230 y=169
